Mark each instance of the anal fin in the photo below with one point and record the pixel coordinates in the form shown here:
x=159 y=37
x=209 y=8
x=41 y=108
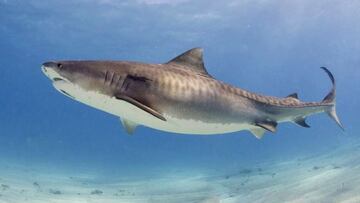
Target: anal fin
x=301 y=122
x=267 y=125
x=129 y=126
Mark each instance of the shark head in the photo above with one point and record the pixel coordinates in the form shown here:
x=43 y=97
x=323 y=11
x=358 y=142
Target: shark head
x=76 y=77
x=106 y=85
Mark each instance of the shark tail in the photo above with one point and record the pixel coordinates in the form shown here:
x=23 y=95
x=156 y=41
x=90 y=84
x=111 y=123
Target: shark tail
x=330 y=99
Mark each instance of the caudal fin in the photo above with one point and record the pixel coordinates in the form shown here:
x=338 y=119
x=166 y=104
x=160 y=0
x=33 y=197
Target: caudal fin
x=330 y=98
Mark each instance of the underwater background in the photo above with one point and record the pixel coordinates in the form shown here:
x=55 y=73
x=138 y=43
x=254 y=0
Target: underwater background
x=54 y=149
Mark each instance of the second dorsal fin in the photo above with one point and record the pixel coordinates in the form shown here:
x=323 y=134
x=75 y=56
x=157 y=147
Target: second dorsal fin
x=293 y=95
x=191 y=59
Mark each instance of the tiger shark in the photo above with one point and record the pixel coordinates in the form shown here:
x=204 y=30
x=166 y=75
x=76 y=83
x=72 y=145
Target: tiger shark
x=179 y=96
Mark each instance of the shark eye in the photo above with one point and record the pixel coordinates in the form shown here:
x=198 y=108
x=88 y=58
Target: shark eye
x=59 y=65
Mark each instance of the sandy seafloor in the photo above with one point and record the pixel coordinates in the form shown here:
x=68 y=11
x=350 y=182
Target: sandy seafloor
x=331 y=176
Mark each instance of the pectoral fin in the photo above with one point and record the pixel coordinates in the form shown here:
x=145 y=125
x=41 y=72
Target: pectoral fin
x=141 y=106
x=129 y=126
x=268 y=125
x=136 y=91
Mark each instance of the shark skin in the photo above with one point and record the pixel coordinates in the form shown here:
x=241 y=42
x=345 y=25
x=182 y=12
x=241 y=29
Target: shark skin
x=179 y=96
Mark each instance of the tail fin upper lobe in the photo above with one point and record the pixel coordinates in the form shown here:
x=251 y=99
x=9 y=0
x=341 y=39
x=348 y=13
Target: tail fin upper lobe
x=330 y=98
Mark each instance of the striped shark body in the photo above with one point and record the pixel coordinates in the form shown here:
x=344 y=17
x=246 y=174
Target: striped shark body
x=179 y=96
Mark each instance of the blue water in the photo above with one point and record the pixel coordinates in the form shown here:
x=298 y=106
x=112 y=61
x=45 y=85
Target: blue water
x=269 y=47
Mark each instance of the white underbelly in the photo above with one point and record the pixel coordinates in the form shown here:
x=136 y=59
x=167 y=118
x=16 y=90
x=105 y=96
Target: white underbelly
x=130 y=112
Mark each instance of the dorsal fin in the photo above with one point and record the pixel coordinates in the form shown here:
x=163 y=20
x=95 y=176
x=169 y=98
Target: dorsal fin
x=191 y=59
x=293 y=95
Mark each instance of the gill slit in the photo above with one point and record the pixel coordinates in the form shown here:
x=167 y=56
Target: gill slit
x=112 y=78
x=118 y=81
x=106 y=76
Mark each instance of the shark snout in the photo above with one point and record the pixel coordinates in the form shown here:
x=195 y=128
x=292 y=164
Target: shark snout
x=51 y=70
x=51 y=64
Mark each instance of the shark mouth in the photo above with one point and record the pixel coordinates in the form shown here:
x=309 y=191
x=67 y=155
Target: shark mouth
x=57 y=79
x=67 y=94
x=59 y=83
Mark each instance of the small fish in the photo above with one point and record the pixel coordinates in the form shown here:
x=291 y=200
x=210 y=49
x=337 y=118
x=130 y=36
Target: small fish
x=179 y=96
